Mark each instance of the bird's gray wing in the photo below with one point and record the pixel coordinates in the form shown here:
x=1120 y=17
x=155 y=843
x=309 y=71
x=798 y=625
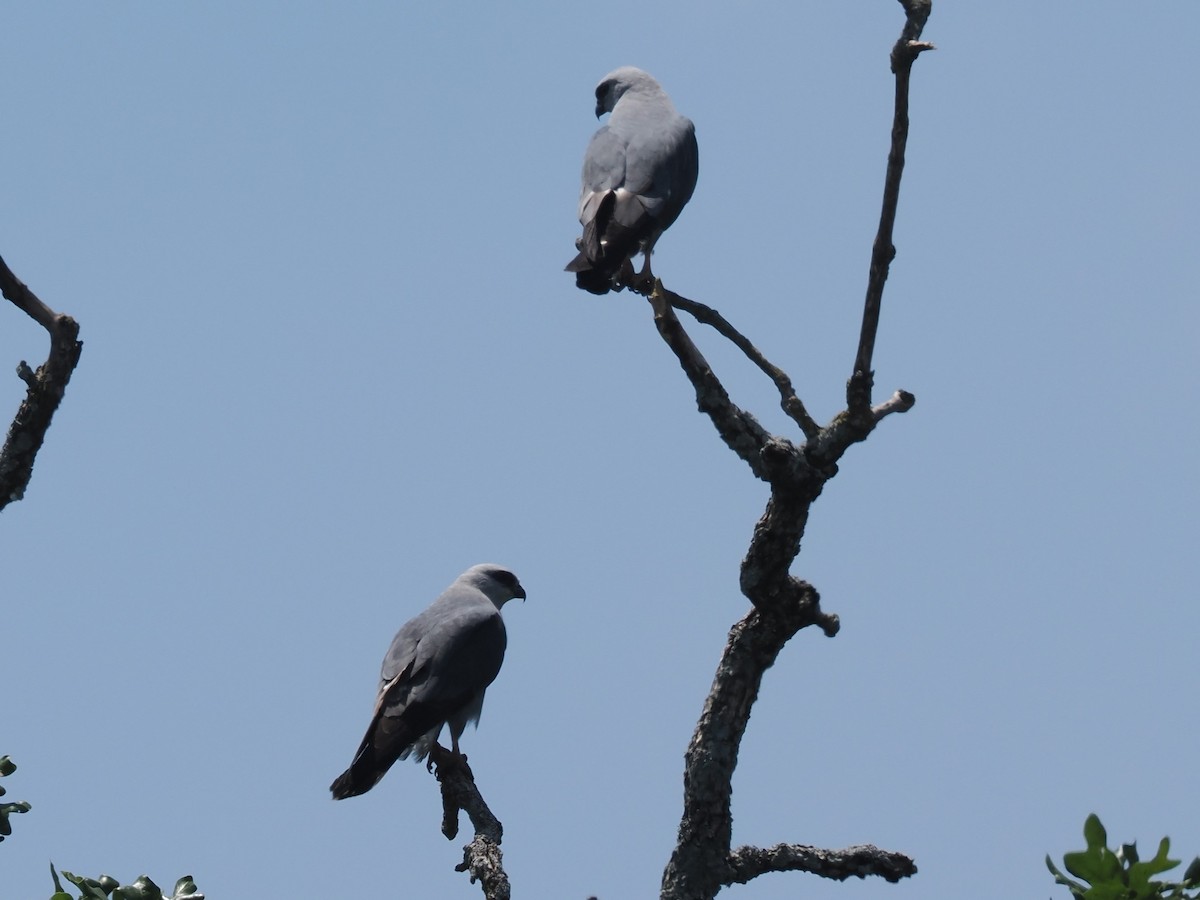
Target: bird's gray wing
x=603 y=174
x=662 y=170
x=438 y=665
x=603 y=165
x=457 y=656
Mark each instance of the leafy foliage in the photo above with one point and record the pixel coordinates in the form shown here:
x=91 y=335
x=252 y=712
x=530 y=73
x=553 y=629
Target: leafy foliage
x=108 y=888
x=1120 y=874
x=7 y=767
x=105 y=887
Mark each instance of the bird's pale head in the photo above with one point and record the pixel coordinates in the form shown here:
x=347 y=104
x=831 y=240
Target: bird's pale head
x=498 y=583
x=615 y=84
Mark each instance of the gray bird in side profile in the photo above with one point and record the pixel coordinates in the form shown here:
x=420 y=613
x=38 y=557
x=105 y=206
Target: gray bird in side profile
x=639 y=170
x=435 y=673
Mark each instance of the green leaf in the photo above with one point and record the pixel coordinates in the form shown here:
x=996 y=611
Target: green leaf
x=7 y=766
x=1094 y=833
x=142 y=889
x=1076 y=888
x=1140 y=873
x=89 y=888
x=1095 y=865
x=1109 y=890
x=58 y=884
x=185 y=888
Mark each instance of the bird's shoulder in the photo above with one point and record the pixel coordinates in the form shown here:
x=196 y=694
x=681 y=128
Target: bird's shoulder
x=454 y=617
x=604 y=161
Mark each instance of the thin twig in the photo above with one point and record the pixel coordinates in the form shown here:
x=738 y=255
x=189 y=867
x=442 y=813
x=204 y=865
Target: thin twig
x=883 y=251
x=788 y=400
x=740 y=430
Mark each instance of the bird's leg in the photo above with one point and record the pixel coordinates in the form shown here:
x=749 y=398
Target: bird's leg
x=645 y=278
x=646 y=273
x=460 y=758
x=623 y=276
x=439 y=756
x=444 y=759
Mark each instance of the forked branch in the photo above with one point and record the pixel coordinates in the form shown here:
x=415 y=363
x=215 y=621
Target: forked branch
x=706 y=315
x=703 y=860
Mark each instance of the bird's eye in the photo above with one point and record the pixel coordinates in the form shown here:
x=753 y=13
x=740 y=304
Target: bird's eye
x=505 y=577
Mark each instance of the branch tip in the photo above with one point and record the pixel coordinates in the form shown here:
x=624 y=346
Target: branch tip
x=830 y=624
x=899 y=402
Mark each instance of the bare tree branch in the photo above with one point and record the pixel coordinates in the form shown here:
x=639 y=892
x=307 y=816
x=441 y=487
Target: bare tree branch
x=859 y=861
x=740 y=430
x=901 y=401
x=482 y=857
x=904 y=53
x=703 y=861
x=706 y=315
x=44 y=388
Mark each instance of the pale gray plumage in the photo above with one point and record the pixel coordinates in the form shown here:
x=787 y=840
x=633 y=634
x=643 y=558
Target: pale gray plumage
x=639 y=170
x=435 y=673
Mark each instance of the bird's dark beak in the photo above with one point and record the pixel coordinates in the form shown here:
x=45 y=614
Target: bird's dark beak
x=519 y=592
x=599 y=109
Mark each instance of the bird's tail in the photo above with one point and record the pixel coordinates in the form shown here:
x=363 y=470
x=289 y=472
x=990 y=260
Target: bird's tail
x=363 y=774
x=369 y=766
x=603 y=249
x=595 y=281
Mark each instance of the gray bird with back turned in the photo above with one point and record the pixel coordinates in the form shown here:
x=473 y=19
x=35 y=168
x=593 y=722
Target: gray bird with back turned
x=435 y=673
x=639 y=170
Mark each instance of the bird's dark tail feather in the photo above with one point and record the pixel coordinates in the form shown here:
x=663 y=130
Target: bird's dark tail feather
x=365 y=772
x=362 y=775
x=604 y=248
x=594 y=281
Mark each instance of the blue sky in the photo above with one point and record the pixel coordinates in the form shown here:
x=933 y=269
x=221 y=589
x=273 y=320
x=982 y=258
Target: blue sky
x=332 y=360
